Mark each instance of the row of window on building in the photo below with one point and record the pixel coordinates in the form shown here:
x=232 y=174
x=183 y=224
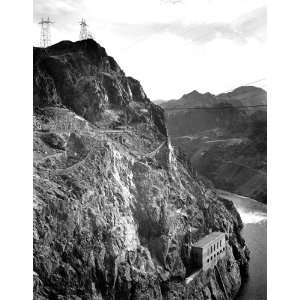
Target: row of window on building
x=215 y=255
x=215 y=247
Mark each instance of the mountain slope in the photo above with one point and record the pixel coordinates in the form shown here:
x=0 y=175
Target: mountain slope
x=242 y=96
x=224 y=138
x=112 y=204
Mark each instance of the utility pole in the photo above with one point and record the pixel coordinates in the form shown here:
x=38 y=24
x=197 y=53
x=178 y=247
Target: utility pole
x=84 y=33
x=45 y=39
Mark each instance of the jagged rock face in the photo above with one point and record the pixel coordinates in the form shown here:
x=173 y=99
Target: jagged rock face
x=112 y=208
x=83 y=78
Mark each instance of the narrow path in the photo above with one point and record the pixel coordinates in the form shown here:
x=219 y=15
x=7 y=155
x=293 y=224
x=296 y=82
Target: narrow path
x=244 y=166
x=192 y=277
x=98 y=130
x=49 y=156
x=60 y=171
x=154 y=152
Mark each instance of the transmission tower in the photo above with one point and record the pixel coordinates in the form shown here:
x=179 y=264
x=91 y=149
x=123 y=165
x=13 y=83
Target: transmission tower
x=45 y=39
x=83 y=30
x=84 y=33
x=90 y=35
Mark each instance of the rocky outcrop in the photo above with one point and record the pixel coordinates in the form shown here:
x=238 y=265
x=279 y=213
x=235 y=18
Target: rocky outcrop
x=83 y=78
x=112 y=204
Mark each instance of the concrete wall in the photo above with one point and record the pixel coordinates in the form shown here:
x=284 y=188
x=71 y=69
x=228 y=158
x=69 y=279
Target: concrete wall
x=208 y=255
x=197 y=257
x=212 y=252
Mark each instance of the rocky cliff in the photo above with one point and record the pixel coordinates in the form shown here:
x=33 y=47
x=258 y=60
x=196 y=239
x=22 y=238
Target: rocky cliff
x=112 y=204
x=226 y=139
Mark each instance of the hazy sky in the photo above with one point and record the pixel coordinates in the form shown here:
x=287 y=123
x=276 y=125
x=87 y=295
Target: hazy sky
x=171 y=46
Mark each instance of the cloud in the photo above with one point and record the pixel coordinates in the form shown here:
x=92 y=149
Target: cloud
x=247 y=26
x=254 y=24
x=62 y=12
x=66 y=15
x=171 y=47
x=172 y=1
x=193 y=20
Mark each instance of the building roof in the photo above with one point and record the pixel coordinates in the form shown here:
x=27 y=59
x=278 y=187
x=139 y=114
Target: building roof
x=208 y=239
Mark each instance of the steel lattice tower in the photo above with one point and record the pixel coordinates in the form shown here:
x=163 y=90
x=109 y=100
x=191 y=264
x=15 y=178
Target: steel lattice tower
x=45 y=39
x=90 y=36
x=83 y=30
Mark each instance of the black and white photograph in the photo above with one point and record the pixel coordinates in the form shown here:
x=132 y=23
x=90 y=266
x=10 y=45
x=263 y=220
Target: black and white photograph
x=149 y=149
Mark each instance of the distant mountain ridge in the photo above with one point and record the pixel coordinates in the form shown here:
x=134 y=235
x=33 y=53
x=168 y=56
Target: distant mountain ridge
x=241 y=96
x=227 y=142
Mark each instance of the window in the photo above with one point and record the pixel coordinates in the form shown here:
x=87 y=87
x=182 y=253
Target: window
x=207 y=260
x=214 y=247
x=221 y=243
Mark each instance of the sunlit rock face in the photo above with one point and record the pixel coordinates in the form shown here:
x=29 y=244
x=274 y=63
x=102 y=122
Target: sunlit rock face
x=112 y=203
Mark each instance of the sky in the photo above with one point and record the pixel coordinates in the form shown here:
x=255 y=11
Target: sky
x=171 y=46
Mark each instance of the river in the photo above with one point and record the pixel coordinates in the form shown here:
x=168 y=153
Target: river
x=254 y=217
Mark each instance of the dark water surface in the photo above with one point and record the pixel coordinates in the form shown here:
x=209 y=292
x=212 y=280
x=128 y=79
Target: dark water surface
x=254 y=216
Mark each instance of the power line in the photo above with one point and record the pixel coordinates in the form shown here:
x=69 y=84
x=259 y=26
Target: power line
x=217 y=108
x=184 y=32
x=249 y=83
x=259 y=80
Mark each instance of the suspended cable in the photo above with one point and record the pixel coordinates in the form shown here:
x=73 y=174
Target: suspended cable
x=217 y=108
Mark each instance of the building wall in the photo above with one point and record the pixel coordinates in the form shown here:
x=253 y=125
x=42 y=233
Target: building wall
x=197 y=257
x=208 y=255
x=212 y=252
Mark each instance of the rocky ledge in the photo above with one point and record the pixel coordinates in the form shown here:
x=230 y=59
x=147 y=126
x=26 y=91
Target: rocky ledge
x=112 y=203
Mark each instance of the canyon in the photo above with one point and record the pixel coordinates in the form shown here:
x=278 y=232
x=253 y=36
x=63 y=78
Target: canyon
x=224 y=137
